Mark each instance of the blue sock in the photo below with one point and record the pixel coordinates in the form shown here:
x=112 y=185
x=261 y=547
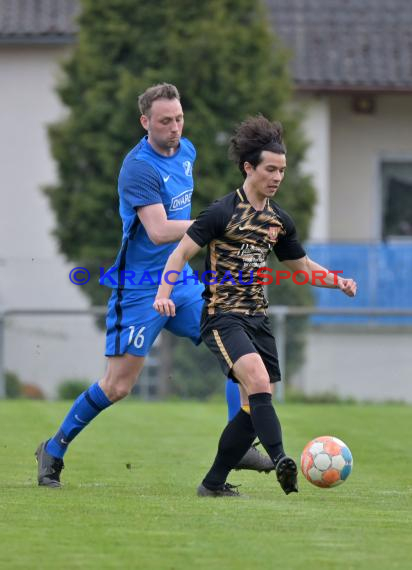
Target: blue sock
x=87 y=406
x=232 y=398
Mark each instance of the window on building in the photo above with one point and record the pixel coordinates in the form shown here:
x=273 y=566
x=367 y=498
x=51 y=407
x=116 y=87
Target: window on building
x=397 y=199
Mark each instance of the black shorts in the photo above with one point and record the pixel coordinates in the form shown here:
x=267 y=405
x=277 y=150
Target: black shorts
x=232 y=335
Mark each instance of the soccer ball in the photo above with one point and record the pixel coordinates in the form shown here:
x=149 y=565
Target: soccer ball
x=326 y=461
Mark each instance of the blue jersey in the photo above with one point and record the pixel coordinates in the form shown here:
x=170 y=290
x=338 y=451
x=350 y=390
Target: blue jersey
x=147 y=177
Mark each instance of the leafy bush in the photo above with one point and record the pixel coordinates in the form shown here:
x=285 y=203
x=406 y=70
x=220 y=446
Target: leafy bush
x=13 y=385
x=72 y=388
x=196 y=372
x=295 y=396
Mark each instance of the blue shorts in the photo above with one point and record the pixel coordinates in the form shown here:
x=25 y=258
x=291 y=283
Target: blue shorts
x=133 y=325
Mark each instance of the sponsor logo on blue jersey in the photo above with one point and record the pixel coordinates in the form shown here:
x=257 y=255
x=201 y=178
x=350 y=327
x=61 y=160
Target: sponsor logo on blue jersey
x=181 y=200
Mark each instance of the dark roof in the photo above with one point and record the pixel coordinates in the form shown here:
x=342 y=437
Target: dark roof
x=347 y=44
x=335 y=44
x=38 y=21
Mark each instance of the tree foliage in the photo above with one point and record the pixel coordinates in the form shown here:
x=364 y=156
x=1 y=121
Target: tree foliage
x=227 y=64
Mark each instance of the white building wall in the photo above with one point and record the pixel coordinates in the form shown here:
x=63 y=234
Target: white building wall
x=32 y=273
x=344 y=160
x=358 y=142
x=27 y=104
x=316 y=126
x=373 y=365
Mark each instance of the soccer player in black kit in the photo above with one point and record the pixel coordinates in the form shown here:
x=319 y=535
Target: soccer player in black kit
x=240 y=230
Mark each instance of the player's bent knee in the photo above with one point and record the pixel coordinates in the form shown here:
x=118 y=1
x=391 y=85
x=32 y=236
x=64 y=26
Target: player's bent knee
x=121 y=375
x=252 y=373
x=117 y=388
x=258 y=385
x=120 y=392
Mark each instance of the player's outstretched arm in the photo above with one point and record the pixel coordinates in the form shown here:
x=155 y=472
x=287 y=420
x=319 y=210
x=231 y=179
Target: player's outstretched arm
x=186 y=249
x=159 y=229
x=319 y=276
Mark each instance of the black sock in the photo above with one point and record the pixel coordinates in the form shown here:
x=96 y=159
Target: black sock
x=266 y=424
x=235 y=440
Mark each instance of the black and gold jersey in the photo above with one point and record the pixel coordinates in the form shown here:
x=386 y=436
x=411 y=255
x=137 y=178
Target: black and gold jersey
x=239 y=240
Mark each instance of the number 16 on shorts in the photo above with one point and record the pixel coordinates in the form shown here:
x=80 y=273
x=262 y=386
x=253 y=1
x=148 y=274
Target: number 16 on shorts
x=137 y=340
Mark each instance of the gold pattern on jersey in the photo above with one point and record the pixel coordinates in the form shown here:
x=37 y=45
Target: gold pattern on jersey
x=235 y=257
x=212 y=286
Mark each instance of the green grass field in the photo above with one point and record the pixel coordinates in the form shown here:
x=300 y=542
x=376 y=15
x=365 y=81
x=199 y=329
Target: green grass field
x=148 y=517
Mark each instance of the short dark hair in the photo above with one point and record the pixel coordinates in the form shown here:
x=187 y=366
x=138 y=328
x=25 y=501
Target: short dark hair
x=252 y=137
x=159 y=91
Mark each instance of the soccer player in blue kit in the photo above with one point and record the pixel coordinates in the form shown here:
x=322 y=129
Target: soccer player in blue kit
x=155 y=189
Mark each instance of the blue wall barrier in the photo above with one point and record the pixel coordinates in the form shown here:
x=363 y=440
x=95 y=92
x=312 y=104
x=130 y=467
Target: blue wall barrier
x=383 y=272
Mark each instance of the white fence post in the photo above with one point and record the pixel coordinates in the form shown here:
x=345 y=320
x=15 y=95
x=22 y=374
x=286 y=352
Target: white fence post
x=2 y=371
x=280 y=314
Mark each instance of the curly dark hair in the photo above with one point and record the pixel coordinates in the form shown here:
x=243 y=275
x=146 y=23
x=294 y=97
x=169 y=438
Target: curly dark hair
x=251 y=137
